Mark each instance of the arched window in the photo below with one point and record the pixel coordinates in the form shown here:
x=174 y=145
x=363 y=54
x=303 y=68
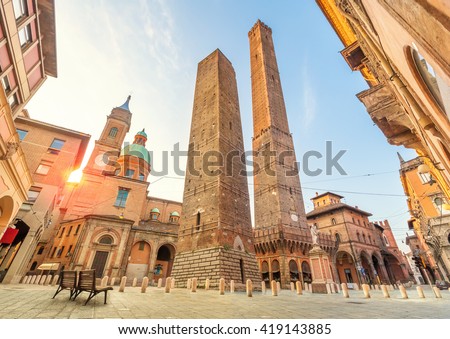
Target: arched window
x=198 y=219
x=33 y=266
x=106 y=240
x=338 y=237
x=333 y=221
x=358 y=236
x=448 y=238
x=434 y=83
x=364 y=237
x=113 y=132
x=370 y=240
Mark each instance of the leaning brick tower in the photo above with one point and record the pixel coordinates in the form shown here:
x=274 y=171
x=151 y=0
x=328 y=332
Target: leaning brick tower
x=215 y=234
x=282 y=235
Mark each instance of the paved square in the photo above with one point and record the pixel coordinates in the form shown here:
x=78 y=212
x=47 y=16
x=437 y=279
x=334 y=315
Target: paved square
x=35 y=302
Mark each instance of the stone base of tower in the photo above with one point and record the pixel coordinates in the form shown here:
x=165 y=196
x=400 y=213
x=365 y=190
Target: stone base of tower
x=216 y=263
x=320 y=269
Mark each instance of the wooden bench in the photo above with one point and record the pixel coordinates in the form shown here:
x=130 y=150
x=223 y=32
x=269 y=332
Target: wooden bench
x=87 y=283
x=67 y=281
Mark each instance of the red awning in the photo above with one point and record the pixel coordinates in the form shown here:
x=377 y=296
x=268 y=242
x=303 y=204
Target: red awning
x=9 y=235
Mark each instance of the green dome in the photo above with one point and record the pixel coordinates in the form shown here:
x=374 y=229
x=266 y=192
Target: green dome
x=155 y=210
x=142 y=133
x=136 y=151
x=174 y=214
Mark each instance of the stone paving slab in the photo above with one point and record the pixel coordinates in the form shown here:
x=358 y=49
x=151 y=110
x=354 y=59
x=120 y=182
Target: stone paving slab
x=35 y=302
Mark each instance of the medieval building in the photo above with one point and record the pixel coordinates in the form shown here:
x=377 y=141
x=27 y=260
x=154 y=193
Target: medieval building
x=430 y=221
x=282 y=235
x=401 y=49
x=27 y=57
x=364 y=252
x=107 y=221
x=215 y=236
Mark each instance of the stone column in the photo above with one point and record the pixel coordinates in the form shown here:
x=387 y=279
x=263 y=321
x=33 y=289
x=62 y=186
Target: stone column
x=144 y=284
x=420 y=292
x=345 y=293
x=249 y=287
x=222 y=286
x=123 y=281
x=384 y=288
x=366 y=290
x=403 y=292
x=274 y=288
x=169 y=284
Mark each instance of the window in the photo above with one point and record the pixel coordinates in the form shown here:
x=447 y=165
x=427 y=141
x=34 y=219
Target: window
x=70 y=230
x=12 y=100
x=69 y=251
x=439 y=89
x=113 y=132
x=5 y=83
x=56 y=146
x=33 y=194
x=25 y=35
x=358 y=236
x=364 y=237
x=425 y=178
x=141 y=176
x=33 y=266
x=129 y=173
x=60 y=251
x=141 y=246
x=62 y=232
x=53 y=252
x=122 y=196
x=348 y=275
x=106 y=240
x=22 y=133
x=385 y=240
x=41 y=250
x=77 y=229
x=43 y=169
x=333 y=221
x=20 y=8
x=198 y=218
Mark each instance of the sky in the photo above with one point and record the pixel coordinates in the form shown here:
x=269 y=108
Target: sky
x=150 y=49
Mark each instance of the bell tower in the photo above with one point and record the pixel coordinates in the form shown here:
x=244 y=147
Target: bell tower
x=107 y=147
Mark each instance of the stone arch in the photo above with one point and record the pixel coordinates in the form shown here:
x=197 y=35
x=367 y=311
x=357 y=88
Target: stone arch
x=345 y=267
x=276 y=270
x=293 y=271
x=139 y=259
x=165 y=255
x=306 y=272
x=265 y=274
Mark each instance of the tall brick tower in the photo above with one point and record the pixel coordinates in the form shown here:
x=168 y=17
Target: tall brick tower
x=282 y=235
x=215 y=235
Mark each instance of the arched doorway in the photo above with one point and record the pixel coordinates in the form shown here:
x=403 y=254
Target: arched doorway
x=345 y=267
x=276 y=275
x=365 y=270
x=10 y=245
x=139 y=260
x=306 y=272
x=164 y=262
x=105 y=244
x=378 y=272
x=293 y=271
x=265 y=276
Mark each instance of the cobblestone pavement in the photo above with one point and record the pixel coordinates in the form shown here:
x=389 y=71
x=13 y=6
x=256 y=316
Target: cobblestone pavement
x=35 y=302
